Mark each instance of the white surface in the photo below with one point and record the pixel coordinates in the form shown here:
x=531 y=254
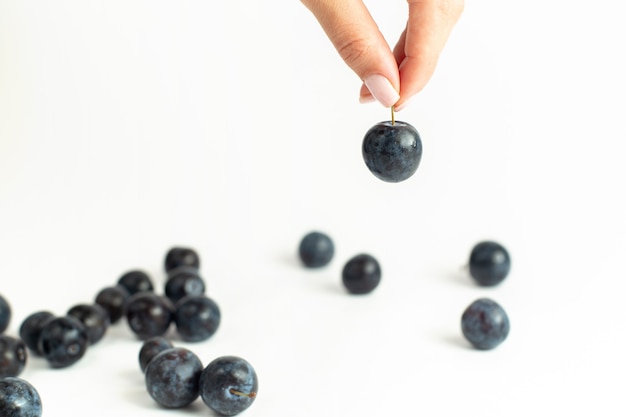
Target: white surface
x=127 y=127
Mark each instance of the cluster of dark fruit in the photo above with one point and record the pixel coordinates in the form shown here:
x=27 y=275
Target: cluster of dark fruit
x=18 y=398
x=484 y=323
x=63 y=340
x=175 y=377
x=183 y=304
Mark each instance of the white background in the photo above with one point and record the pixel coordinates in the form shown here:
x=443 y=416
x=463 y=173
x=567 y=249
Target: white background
x=127 y=127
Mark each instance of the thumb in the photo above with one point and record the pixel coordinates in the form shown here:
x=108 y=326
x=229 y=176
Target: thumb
x=350 y=27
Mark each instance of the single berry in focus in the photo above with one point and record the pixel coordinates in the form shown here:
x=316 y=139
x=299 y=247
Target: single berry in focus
x=392 y=150
x=361 y=274
x=136 y=281
x=316 y=250
x=489 y=263
x=63 y=341
x=173 y=377
x=5 y=314
x=18 y=398
x=150 y=348
x=197 y=318
x=181 y=256
x=95 y=319
x=229 y=385
x=149 y=314
x=113 y=299
x=12 y=356
x=30 y=329
x=485 y=324
x=184 y=282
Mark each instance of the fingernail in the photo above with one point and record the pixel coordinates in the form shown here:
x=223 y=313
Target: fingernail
x=382 y=90
x=366 y=99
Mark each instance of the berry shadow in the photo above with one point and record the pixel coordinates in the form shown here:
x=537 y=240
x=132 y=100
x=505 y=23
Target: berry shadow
x=456 y=341
x=460 y=276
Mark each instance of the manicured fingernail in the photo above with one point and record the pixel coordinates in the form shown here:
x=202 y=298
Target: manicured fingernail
x=367 y=99
x=382 y=90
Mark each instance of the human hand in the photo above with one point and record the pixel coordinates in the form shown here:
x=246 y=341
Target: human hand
x=390 y=77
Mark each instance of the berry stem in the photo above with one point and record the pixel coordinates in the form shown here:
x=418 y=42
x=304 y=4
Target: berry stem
x=393 y=115
x=242 y=394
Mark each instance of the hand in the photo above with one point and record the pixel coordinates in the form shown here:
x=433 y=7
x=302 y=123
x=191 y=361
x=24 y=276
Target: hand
x=392 y=78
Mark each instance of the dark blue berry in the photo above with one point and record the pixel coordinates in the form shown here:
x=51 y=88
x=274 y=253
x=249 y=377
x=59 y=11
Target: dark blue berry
x=392 y=150
x=18 y=398
x=181 y=256
x=229 y=385
x=93 y=317
x=489 y=263
x=63 y=341
x=12 y=356
x=485 y=324
x=5 y=314
x=361 y=274
x=197 y=318
x=30 y=330
x=136 y=281
x=150 y=348
x=149 y=314
x=183 y=283
x=316 y=250
x=113 y=299
x=173 y=377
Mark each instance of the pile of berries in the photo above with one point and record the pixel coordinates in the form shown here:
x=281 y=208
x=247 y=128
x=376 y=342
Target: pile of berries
x=171 y=377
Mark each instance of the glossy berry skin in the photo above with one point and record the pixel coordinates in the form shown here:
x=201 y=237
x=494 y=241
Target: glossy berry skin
x=489 y=263
x=197 y=318
x=485 y=324
x=12 y=356
x=5 y=314
x=149 y=314
x=150 y=348
x=113 y=299
x=183 y=283
x=63 y=341
x=18 y=398
x=136 y=281
x=173 y=377
x=361 y=274
x=93 y=317
x=30 y=330
x=229 y=385
x=392 y=151
x=316 y=249
x=181 y=256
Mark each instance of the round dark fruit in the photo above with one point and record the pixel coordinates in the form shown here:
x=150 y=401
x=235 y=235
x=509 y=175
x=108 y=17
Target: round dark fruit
x=316 y=250
x=489 y=263
x=30 y=329
x=150 y=348
x=485 y=324
x=63 y=341
x=173 y=377
x=5 y=314
x=149 y=314
x=361 y=274
x=181 y=256
x=392 y=150
x=12 y=356
x=229 y=385
x=136 y=281
x=18 y=398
